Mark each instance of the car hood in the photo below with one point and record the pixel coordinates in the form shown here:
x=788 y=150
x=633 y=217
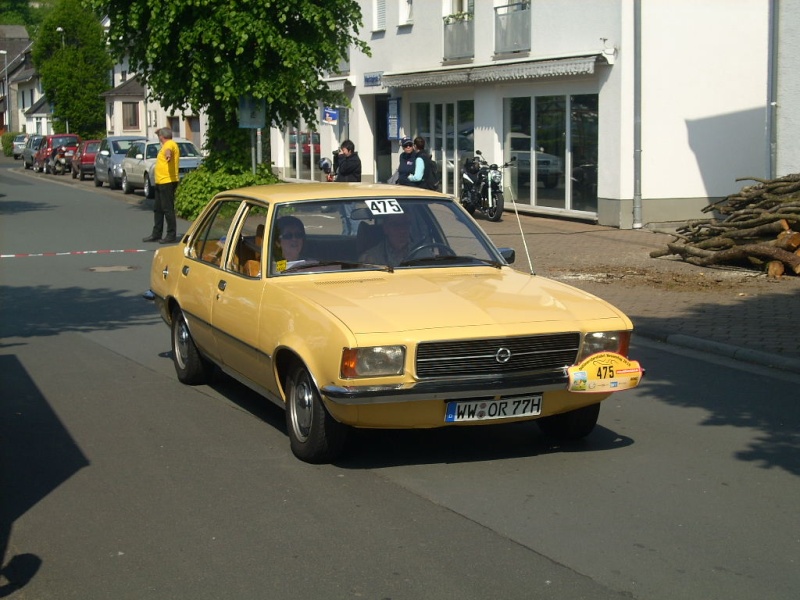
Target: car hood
x=425 y=299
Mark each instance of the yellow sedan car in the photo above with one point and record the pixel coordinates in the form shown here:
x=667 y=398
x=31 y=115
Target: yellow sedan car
x=377 y=306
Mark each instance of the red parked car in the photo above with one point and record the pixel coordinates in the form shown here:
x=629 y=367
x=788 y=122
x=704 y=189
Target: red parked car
x=41 y=162
x=83 y=161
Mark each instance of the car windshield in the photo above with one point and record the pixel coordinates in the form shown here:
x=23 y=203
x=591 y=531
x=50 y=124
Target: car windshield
x=376 y=233
x=121 y=146
x=66 y=140
x=188 y=150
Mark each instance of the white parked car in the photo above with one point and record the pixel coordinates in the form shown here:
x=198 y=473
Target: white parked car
x=549 y=167
x=139 y=164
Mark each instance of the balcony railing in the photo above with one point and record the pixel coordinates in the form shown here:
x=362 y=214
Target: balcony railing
x=512 y=28
x=459 y=38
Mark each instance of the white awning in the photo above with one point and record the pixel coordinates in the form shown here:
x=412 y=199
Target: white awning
x=516 y=71
x=337 y=84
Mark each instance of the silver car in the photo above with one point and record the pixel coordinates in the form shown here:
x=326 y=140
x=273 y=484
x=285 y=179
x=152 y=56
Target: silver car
x=19 y=145
x=108 y=161
x=139 y=164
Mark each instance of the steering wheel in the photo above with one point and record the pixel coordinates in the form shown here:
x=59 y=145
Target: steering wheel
x=445 y=250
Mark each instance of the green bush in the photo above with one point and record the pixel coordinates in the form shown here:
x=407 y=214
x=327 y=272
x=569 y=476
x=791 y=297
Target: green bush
x=8 y=142
x=200 y=186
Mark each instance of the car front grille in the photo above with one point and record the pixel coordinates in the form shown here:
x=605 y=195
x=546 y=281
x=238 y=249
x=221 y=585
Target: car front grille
x=508 y=355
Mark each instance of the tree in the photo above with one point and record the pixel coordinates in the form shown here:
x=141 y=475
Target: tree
x=73 y=64
x=207 y=54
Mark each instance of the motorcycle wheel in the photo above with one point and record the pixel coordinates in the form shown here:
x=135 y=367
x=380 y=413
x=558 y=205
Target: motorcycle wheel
x=469 y=206
x=495 y=213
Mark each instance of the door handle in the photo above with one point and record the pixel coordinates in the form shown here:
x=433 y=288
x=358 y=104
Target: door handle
x=222 y=285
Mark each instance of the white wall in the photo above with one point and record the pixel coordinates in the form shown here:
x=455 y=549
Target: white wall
x=788 y=97
x=704 y=86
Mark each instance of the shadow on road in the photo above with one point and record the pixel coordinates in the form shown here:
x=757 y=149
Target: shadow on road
x=37 y=454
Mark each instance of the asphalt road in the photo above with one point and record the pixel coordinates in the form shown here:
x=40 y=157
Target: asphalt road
x=118 y=482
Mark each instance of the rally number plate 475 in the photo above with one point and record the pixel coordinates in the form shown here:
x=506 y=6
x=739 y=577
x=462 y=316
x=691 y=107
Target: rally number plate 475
x=483 y=410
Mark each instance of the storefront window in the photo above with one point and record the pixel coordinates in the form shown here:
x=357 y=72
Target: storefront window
x=583 y=141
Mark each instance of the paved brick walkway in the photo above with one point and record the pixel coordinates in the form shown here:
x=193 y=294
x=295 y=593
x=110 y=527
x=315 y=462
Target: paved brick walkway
x=730 y=311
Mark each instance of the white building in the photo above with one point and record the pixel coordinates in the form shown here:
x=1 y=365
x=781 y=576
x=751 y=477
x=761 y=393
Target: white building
x=649 y=110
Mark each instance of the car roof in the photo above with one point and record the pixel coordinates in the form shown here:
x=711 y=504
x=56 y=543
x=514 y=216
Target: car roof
x=117 y=138
x=300 y=192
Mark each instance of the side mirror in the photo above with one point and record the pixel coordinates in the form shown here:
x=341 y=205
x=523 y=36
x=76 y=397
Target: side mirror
x=139 y=156
x=105 y=153
x=508 y=254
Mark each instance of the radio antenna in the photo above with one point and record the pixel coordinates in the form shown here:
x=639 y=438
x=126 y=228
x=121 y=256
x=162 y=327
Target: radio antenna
x=521 y=233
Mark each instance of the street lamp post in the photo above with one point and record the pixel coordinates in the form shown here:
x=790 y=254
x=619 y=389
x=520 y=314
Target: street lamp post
x=8 y=96
x=61 y=31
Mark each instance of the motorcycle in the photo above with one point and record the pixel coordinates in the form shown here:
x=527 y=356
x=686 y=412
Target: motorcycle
x=482 y=186
x=58 y=161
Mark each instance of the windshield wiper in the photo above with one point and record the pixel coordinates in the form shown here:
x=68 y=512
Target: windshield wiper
x=454 y=258
x=345 y=264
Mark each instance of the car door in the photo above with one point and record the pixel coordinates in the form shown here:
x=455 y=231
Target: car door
x=198 y=288
x=236 y=315
x=133 y=164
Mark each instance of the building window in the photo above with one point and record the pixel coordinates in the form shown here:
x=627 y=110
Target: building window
x=379 y=8
x=130 y=115
x=406 y=16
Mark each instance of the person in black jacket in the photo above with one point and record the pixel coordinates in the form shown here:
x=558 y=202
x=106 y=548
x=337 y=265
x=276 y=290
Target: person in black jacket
x=349 y=164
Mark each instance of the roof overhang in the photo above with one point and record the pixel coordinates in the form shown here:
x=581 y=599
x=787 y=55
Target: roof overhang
x=493 y=73
x=337 y=84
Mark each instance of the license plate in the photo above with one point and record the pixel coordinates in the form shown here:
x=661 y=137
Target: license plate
x=485 y=410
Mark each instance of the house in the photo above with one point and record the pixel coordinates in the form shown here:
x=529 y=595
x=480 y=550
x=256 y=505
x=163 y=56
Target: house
x=629 y=113
x=15 y=48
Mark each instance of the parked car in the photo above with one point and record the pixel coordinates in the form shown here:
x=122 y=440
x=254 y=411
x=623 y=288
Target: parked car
x=83 y=161
x=108 y=160
x=412 y=319
x=31 y=147
x=549 y=167
x=139 y=164
x=41 y=162
x=307 y=139
x=19 y=145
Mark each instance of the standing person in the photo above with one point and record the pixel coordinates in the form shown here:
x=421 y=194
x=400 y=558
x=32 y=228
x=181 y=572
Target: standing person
x=349 y=164
x=430 y=175
x=166 y=180
x=411 y=168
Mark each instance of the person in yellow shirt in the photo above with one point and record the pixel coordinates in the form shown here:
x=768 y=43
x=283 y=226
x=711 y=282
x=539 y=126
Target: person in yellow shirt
x=166 y=180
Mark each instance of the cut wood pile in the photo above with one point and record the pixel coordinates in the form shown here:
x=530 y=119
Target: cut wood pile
x=757 y=228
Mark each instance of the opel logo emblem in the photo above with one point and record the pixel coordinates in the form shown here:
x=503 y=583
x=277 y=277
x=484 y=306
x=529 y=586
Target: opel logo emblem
x=503 y=355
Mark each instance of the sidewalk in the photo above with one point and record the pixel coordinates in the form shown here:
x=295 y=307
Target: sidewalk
x=732 y=312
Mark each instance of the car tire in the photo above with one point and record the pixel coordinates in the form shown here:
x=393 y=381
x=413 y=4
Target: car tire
x=126 y=186
x=314 y=435
x=191 y=367
x=573 y=425
x=496 y=213
x=149 y=189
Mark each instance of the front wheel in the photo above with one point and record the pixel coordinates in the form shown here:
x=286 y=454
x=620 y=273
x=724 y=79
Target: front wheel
x=126 y=185
x=572 y=425
x=191 y=367
x=314 y=435
x=495 y=213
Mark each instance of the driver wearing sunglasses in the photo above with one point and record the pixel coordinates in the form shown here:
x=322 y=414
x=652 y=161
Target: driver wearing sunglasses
x=289 y=239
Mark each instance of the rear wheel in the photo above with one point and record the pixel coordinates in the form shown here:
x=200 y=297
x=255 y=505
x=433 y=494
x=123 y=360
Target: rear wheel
x=149 y=190
x=191 y=367
x=126 y=186
x=572 y=425
x=314 y=435
x=495 y=213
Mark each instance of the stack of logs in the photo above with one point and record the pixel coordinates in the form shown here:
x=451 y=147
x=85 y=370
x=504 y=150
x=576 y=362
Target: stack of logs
x=758 y=228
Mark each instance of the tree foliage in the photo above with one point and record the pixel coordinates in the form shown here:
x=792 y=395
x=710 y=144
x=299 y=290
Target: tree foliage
x=73 y=66
x=206 y=54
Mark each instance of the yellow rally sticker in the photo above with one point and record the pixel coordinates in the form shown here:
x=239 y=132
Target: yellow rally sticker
x=604 y=372
x=280 y=266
